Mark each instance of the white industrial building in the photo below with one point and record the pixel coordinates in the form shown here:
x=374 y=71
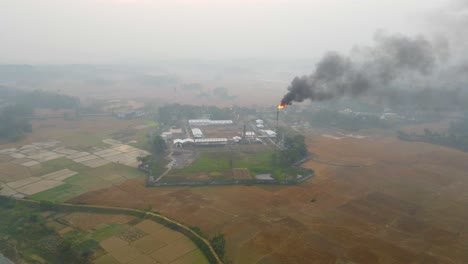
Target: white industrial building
x=221 y=122
x=182 y=142
x=199 y=122
x=209 y=122
x=210 y=141
x=197 y=133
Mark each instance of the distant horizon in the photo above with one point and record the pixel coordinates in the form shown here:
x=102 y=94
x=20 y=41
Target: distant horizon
x=138 y=31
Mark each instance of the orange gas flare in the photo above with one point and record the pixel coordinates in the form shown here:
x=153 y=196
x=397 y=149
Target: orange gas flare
x=281 y=106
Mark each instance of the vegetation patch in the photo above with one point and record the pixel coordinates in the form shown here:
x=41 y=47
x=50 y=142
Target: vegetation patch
x=108 y=231
x=88 y=179
x=25 y=237
x=456 y=137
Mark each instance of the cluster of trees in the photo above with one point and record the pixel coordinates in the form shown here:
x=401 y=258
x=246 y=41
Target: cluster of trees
x=218 y=243
x=293 y=151
x=219 y=93
x=173 y=112
x=17 y=106
x=158 y=145
x=456 y=137
x=39 y=99
x=23 y=229
x=349 y=122
x=15 y=121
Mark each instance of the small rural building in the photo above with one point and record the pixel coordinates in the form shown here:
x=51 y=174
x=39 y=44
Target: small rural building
x=197 y=133
x=174 y=130
x=166 y=135
x=236 y=139
x=268 y=133
x=249 y=134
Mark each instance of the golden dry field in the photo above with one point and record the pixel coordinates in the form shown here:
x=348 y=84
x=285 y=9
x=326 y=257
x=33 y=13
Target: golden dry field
x=378 y=200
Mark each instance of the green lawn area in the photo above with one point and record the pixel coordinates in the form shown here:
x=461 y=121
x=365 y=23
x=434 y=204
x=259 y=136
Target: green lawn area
x=218 y=163
x=59 y=194
x=142 y=141
x=209 y=162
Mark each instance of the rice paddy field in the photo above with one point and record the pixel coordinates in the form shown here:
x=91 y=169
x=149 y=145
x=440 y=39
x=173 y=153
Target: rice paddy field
x=373 y=200
x=103 y=238
x=58 y=170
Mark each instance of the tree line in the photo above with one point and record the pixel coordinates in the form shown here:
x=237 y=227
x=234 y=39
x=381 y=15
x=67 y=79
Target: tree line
x=15 y=121
x=24 y=233
x=168 y=114
x=455 y=137
x=294 y=149
x=349 y=122
x=39 y=98
x=17 y=108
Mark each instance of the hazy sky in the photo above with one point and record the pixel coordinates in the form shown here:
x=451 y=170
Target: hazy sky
x=108 y=31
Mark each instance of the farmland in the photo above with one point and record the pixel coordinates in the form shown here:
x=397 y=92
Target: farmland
x=377 y=200
x=373 y=199
x=65 y=158
x=83 y=237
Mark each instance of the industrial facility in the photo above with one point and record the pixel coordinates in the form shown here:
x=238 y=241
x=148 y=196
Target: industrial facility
x=207 y=132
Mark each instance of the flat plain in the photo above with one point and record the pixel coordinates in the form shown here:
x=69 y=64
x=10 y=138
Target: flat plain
x=373 y=200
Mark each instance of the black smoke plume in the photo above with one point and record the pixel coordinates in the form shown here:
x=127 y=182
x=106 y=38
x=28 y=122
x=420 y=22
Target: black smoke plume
x=368 y=68
x=398 y=70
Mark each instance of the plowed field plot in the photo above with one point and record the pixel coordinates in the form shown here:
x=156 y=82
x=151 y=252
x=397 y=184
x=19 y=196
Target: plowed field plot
x=154 y=243
x=113 y=244
x=85 y=158
x=87 y=179
x=38 y=186
x=30 y=163
x=94 y=163
x=23 y=182
x=149 y=227
x=149 y=244
x=59 y=175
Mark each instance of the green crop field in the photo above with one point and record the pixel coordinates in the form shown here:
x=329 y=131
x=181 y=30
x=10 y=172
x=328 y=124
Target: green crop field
x=55 y=165
x=107 y=231
x=87 y=179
